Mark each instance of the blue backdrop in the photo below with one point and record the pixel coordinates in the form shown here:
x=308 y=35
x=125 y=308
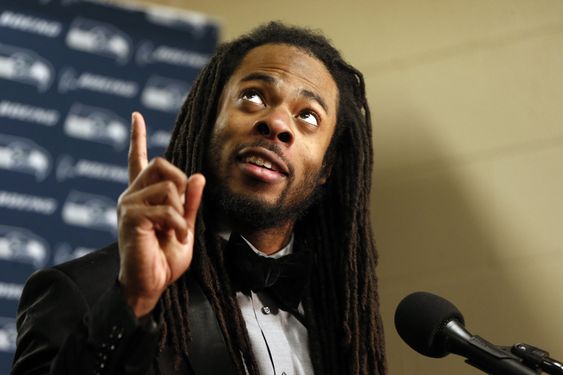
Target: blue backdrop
x=71 y=73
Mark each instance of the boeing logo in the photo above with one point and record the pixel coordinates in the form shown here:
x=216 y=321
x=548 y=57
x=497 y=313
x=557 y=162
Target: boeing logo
x=147 y=53
x=99 y=38
x=96 y=125
x=10 y=291
x=25 y=66
x=64 y=253
x=30 y=24
x=23 y=246
x=90 y=211
x=68 y=168
x=28 y=113
x=164 y=94
x=8 y=335
x=68 y=2
x=192 y=22
x=24 y=156
x=159 y=138
x=25 y=202
x=70 y=80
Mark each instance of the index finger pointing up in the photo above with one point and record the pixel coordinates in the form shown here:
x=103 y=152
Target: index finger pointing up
x=138 y=159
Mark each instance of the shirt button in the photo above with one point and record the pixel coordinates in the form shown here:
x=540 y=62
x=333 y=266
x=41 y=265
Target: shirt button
x=266 y=310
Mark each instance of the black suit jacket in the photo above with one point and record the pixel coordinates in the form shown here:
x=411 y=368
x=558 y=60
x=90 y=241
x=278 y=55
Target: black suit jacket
x=73 y=320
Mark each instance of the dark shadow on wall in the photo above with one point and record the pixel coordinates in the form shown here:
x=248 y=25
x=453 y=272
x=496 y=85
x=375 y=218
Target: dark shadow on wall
x=432 y=235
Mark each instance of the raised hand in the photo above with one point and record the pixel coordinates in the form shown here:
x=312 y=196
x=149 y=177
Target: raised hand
x=156 y=220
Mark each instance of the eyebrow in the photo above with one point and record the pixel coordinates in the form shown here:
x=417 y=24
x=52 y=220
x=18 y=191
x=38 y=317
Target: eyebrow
x=268 y=79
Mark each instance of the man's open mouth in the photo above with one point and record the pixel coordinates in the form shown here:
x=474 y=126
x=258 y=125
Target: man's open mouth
x=265 y=159
x=256 y=160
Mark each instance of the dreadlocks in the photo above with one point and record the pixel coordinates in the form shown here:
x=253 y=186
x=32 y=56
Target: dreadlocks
x=341 y=307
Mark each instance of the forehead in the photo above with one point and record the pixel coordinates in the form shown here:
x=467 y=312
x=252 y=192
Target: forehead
x=290 y=65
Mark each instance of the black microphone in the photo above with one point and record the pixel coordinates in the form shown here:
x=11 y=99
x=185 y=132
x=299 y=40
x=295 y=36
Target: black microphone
x=434 y=327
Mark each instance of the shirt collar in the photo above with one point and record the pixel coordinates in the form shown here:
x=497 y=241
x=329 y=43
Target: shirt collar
x=288 y=249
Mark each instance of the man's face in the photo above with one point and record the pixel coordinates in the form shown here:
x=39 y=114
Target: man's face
x=276 y=117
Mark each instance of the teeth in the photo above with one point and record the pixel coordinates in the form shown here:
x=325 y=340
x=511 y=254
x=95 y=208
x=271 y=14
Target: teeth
x=259 y=161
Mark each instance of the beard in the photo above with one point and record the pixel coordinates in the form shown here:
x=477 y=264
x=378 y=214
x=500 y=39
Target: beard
x=250 y=211
x=254 y=213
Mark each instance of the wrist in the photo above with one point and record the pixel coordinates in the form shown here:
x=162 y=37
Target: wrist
x=141 y=305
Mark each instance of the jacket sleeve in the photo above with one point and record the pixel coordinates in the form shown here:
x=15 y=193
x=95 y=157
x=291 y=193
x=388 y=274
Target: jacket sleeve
x=60 y=334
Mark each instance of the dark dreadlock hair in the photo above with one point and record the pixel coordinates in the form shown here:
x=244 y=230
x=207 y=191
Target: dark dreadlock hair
x=341 y=307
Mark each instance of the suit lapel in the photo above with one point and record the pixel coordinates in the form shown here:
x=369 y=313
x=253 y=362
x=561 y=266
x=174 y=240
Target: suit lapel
x=208 y=352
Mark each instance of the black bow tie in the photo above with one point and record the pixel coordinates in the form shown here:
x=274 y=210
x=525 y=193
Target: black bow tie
x=284 y=278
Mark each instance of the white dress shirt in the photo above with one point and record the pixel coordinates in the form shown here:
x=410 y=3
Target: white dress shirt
x=279 y=340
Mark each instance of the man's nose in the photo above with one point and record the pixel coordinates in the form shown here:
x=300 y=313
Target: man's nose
x=276 y=126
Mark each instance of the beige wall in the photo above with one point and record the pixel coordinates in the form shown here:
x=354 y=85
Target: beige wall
x=467 y=100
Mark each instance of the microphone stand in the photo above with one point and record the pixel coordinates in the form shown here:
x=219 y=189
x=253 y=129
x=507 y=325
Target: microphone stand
x=537 y=359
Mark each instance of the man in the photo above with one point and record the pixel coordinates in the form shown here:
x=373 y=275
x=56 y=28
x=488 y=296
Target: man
x=274 y=273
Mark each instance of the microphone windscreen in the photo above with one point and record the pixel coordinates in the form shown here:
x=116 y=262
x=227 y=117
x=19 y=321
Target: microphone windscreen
x=420 y=318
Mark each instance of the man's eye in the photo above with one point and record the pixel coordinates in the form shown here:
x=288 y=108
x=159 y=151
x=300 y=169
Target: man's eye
x=252 y=96
x=309 y=117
